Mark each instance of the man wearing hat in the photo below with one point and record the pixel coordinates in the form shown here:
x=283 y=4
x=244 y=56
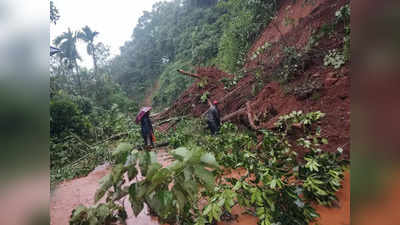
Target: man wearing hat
x=147 y=128
x=213 y=118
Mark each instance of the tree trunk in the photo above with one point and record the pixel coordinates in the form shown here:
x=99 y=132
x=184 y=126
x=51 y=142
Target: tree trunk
x=78 y=76
x=239 y=112
x=189 y=74
x=94 y=61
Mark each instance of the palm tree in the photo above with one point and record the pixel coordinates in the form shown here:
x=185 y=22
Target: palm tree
x=87 y=35
x=67 y=43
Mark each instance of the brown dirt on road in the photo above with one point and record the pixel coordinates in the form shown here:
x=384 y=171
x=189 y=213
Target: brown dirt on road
x=70 y=194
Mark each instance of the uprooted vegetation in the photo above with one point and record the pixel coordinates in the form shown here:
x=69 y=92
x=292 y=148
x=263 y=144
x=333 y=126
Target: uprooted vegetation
x=290 y=67
x=285 y=174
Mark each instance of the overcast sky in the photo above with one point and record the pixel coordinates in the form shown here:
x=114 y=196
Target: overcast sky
x=114 y=19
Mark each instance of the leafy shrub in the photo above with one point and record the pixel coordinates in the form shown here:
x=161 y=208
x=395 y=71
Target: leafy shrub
x=343 y=14
x=204 y=97
x=241 y=27
x=231 y=83
x=292 y=63
x=334 y=58
x=65 y=117
x=172 y=85
x=101 y=214
x=260 y=50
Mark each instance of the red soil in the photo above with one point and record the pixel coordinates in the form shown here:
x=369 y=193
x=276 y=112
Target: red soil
x=384 y=208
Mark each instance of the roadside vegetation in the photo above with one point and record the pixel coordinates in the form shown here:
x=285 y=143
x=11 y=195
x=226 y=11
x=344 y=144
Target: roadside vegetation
x=279 y=185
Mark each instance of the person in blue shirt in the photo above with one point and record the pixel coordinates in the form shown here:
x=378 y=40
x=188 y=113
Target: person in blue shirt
x=213 y=117
x=147 y=130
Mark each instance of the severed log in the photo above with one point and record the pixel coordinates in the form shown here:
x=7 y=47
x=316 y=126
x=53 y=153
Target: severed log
x=234 y=114
x=250 y=116
x=170 y=119
x=189 y=74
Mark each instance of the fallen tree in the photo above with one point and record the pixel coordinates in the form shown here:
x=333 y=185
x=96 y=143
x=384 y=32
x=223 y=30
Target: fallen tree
x=197 y=76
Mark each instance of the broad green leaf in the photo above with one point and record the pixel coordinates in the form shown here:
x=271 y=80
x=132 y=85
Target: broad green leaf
x=144 y=161
x=120 y=154
x=132 y=172
x=153 y=169
x=209 y=160
x=159 y=177
x=181 y=153
x=78 y=213
x=102 y=212
x=166 y=203
x=180 y=197
x=216 y=212
x=153 y=157
x=105 y=184
x=188 y=172
x=205 y=176
x=117 y=172
x=136 y=203
x=200 y=221
x=237 y=186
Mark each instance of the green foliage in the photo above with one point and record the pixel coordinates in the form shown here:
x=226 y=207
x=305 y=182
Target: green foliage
x=72 y=159
x=204 y=97
x=174 y=35
x=186 y=132
x=101 y=214
x=343 y=14
x=231 y=83
x=183 y=34
x=317 y=35
x=65 y=117
x=172 y=84
x=186 y=175
x=244 y=21
x=334 y=58
x=260 y=50
x=281 y=188
x=77 y=128
x=278 y=187
x=292 y=63
x=88 y=36
x=223 y=199
x=67 y=43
